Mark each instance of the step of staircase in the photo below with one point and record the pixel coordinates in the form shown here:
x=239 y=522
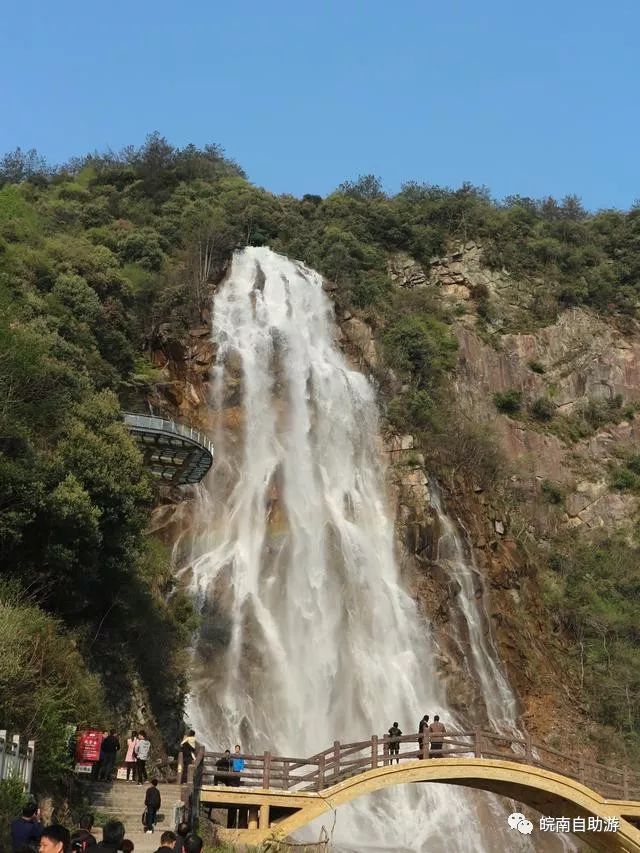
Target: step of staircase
x=124 y=801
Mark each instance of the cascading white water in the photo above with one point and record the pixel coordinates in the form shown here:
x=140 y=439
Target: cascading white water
x=308 y=635
x=476 y=644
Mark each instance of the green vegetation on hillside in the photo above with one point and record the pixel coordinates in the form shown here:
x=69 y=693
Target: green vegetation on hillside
x=94 y=255
x=593 y=589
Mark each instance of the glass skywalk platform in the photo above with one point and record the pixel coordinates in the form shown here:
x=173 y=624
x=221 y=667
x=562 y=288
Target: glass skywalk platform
x=176 y=454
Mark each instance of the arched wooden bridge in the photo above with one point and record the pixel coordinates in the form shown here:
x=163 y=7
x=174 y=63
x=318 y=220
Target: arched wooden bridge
x=274 y=795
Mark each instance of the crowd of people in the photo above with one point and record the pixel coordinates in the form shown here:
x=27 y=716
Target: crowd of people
x=136 y=756
x=28 y=835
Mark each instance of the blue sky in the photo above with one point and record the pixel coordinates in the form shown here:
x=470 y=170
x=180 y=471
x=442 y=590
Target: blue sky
x=533 y=98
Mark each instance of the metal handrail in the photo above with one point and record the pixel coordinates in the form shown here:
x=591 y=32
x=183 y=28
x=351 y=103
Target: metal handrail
x=166 y=425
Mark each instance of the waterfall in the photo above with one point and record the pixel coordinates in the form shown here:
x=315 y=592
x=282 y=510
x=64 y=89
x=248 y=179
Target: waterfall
x=308 y=634
x=471 y=630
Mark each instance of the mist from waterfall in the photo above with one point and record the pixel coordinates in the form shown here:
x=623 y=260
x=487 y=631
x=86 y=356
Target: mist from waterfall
x=308 y=634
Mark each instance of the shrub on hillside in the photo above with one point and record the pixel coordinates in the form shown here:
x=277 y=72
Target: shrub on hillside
x=552 y=492
x=422 y=347
x=542 y=409
x=508 y=402
x=44 y=683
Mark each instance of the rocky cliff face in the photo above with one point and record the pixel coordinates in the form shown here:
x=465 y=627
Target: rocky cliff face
x=574 y=361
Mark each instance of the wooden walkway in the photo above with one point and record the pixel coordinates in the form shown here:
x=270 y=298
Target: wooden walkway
x=342 y=761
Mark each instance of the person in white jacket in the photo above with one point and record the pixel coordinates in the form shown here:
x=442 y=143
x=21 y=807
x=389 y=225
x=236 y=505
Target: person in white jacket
x=141 y=753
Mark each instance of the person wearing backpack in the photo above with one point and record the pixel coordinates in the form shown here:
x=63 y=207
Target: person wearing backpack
x=141 y=753
x=82 y=839
x=152 y=803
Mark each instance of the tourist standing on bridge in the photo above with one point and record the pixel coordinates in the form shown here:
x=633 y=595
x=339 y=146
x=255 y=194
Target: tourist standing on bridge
x=130 y=757
x=423 y=731
x=436 y=728
x=152 y=803
x=188 y=751
x=142 y=754
x=237 y=765
x=224 y=765
x=394 y=742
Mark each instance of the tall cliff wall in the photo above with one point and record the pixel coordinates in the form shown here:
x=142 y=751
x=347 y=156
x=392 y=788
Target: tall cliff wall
x=575 y=361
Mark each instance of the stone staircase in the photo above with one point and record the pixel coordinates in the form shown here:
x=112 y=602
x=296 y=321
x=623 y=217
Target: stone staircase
x=124 y=801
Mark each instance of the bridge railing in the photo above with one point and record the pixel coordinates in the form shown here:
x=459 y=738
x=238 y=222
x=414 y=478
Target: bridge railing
x=344 y=760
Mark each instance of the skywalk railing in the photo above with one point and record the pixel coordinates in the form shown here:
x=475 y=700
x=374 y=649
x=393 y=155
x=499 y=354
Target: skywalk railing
x=16 y=758
x=345 y=760
x=165 y=425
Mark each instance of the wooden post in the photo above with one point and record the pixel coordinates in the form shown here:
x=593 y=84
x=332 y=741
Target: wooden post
x=336 y=758
x=253 y=817
x=385 y=754
x=528 y=749
x=263 y=819
x=374 y=751
x=625 y=783
x=581 y=769
x=320 y=784
x=266 y=773
x=285 y=775
x=478 y=743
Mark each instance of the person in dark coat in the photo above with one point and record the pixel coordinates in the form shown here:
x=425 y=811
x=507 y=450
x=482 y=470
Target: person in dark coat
x=152 y=802
x=224 y=765
x=182 y=831
x=82 y=838
x=109 y=749
x=112 y=837
x=26 y=830
x=193 y=844
x=394 y=743
x=423 y=729
x=188 y=749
